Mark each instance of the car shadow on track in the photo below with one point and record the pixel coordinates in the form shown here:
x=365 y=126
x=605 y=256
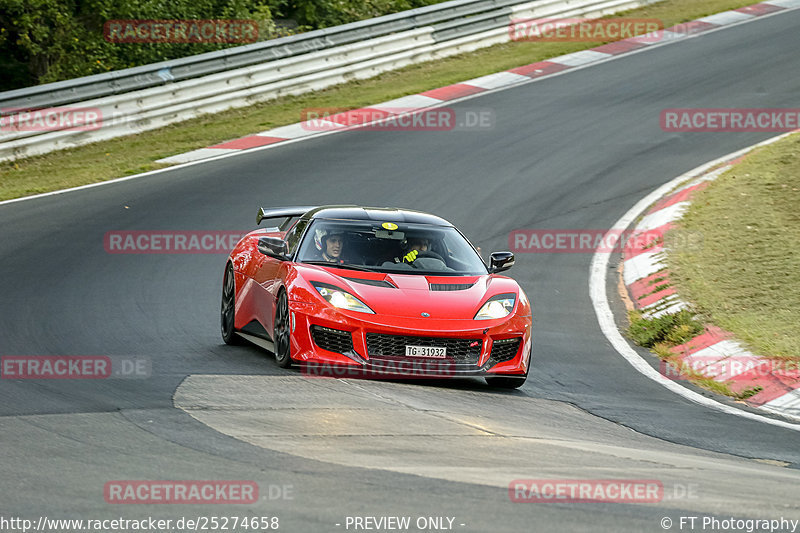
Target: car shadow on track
x=253 y=360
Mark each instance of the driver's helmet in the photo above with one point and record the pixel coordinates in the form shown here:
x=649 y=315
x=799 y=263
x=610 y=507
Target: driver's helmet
x=321 y=235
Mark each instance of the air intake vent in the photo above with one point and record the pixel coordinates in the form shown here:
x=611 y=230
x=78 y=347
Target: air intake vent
x=374 y=282
x=450 y=286
x=503 y=350
x=333 y=340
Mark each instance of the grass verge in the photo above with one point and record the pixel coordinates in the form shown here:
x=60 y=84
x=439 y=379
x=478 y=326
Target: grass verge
x=663 y=333
x=134 y=154
x=745 y=276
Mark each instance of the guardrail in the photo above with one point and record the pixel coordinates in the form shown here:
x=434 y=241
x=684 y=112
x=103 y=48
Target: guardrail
x=134 y=100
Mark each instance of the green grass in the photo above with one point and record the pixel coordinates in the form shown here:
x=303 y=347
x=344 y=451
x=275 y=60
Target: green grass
x=667 y=330
x=134 y=154
x=745 y=276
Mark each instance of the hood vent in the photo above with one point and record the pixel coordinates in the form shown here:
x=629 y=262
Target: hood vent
x=450 y=286
x=373 y=282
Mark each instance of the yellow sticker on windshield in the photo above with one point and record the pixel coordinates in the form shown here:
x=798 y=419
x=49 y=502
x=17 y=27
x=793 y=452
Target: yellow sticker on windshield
x=389 y=225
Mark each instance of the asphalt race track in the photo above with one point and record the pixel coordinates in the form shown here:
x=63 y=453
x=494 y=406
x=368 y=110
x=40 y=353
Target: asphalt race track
x=571 y=151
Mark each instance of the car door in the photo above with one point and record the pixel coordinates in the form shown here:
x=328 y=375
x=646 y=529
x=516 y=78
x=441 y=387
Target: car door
x=270 y=273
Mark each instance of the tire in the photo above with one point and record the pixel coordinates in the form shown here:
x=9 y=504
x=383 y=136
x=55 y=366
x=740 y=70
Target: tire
x=228 y=309
x=282 y=332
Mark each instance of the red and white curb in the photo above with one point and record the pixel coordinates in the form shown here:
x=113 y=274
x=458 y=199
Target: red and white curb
x=715 y=353
x=515 y=76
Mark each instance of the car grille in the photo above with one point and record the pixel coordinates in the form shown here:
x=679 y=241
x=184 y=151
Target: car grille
x=333 y=340
x=461 y=351
x=503 y=350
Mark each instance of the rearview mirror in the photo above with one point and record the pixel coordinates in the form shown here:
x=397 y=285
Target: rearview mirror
x=273 y=247
x=501 y=261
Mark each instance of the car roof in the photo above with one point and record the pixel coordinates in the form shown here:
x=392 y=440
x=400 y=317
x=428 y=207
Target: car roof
x=378 y=214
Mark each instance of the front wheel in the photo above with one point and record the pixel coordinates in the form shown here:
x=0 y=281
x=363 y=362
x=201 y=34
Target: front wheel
x=228 y=308
x=282 y=331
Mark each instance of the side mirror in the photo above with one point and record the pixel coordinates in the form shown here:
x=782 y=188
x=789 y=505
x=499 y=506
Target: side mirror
x=273 y=247
x=501 y=261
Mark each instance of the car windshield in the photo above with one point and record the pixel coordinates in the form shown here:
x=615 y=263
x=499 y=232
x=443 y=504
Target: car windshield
x=390 y=247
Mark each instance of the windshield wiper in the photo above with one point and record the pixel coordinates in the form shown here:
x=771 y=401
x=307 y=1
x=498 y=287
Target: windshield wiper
x=336 y=265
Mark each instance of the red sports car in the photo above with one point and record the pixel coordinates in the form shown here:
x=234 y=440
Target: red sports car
x=346 y=290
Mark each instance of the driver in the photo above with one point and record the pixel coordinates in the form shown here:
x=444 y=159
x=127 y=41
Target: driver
x=330 y=244
x=415 y=246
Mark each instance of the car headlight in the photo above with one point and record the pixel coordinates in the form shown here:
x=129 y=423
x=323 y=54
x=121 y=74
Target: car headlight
x=341 y=298
x=499 y=306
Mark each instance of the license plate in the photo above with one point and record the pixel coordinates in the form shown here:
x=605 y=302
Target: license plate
x=435 y=352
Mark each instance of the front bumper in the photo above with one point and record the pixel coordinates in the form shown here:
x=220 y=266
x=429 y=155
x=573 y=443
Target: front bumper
x=332 y=342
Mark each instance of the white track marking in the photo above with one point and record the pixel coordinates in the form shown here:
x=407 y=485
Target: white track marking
x=641 y=266
x=788 y=403
x=498 y=79
x=726 y=17
x=583 y=57
x=662 y=217
x=407 y=103
x=195 y=155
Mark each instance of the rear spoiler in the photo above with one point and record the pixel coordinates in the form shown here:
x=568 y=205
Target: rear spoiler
x=282 y=212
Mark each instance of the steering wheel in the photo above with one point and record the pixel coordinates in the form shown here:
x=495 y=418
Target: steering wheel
x=432 y=255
